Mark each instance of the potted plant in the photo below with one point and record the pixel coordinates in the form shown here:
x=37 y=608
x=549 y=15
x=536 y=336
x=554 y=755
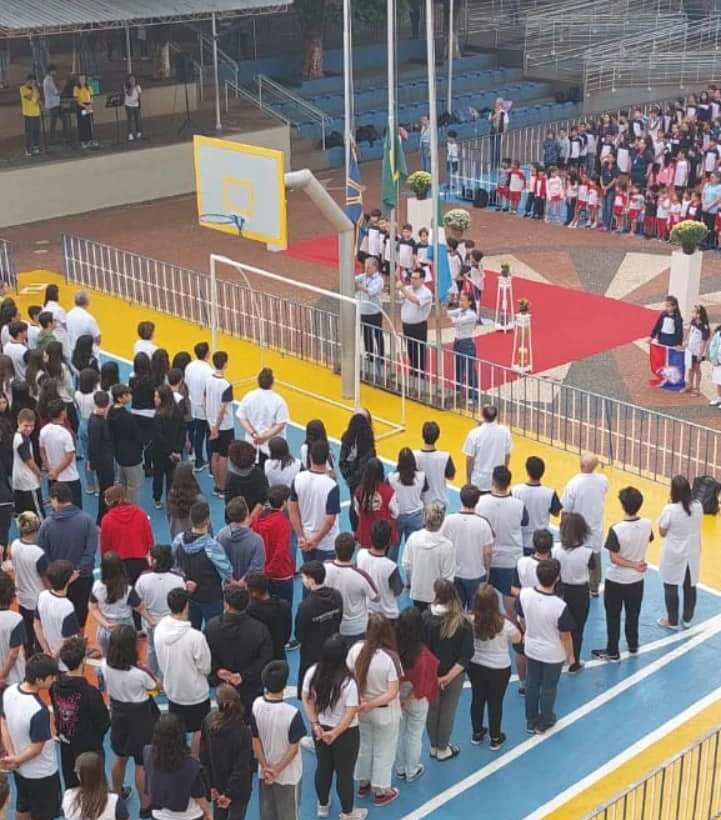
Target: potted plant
x=457 y=221
x=689 y=234
x=420 y=183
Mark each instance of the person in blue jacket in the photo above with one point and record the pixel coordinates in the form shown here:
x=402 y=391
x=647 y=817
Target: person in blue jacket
x=668 y=329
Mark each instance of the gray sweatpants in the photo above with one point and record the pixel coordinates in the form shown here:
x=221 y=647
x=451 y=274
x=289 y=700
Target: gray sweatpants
x=278 y=802
x=132 y=478
x=442 y=713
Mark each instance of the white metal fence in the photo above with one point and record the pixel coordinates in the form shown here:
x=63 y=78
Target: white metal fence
x=627 y=436
x=8 y=269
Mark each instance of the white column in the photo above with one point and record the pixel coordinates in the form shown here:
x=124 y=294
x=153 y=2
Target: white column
x=218 y=123
x=127 y=50
x=684 y=281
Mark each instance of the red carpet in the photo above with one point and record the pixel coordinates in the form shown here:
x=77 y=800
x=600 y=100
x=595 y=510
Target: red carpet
x=568 y=324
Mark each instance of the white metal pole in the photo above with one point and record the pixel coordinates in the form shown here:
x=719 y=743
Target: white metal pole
x=347 y=89
x=450 y=58
x=218 y=123
x=213 y=305
x=127 y=50
x=349 y=314
x=435 y=187
x=392 y=131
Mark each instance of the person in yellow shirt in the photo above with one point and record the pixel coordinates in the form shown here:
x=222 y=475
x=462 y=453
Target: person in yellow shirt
x=30 y=102
x=83 y=95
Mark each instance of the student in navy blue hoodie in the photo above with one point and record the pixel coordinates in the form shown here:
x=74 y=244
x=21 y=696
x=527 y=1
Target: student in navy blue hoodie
x=203 y=563
x=69 y=534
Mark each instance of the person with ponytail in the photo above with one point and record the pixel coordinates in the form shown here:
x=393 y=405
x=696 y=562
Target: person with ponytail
x=377 y=669
x=449 y=637
x=330 y=699
x=226 y=754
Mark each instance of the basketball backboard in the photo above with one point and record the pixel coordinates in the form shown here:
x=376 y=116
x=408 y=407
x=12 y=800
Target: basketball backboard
x=241 y=189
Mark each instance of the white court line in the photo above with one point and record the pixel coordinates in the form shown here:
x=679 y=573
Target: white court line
x=568 y=720
x=623 y=757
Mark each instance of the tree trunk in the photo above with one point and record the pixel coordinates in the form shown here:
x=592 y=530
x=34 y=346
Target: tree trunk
x=313 y=55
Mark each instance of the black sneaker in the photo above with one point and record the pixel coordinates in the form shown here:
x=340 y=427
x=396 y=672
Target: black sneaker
x=146 y=812
x=125 y=792
x=522 y=691
x=497 y=742
x=532 y=727
x=605 y=655
x=291 y=645
x=575 y=667
x=477 y=737
x=633 y=651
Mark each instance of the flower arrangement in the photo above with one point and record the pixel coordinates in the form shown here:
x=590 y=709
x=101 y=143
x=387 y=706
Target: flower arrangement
x=689 y=234
x=458 y=220
x=420 y=183
x=505 y=269
x=524 y=306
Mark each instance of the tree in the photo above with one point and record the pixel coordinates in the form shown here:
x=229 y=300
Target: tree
x=315 y=15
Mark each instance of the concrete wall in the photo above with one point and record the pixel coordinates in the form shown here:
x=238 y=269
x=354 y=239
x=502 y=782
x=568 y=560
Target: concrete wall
x=157 y=101
x=36 y=193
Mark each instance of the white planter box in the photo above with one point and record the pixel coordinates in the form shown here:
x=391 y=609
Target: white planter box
x=419 y=213
x=684 y=281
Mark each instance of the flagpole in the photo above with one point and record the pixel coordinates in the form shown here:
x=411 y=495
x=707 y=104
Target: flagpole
x=392 y=132
x=435 y=187
x=449 y=107
x=347 y=90
x=350 y=337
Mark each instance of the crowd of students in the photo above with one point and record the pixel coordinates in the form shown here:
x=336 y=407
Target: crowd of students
x=213 y=609
x=634 y=173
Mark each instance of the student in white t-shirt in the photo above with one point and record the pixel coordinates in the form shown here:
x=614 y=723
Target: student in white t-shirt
x=90 y=770
x=437 y=465
x=524 y=574
x=219 y=412
x=196 y=375
x=487 y=446
x=281 y=467
x=26 y=474
x=377 y=670
x=12 y=636
x=55 y=617
x=16 y=348
x=576 y=560
x=626 y=542
x=541 y=502
x=547 y=626
x=330 y=700
x=585 y=493
x=57 y=449
x=26 y=723
x=472 y=537
x=409 y=484
x=382 y=571
x=145 y=343
x=30 y=565
x=355 y=586
x=490 y=667
x=263 y=414
x=112 y=599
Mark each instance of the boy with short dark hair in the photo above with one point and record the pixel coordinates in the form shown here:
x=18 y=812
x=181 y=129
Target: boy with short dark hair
x=277 y=728
x=81 y=716
x=26 y=475
x=524 y=574
x=219 y=412
x=273 y=526
x=57 y=450
x=55 y=617
x=26 y=723
x=436 y=464
x=46 y=320
x=33 y=326
x=355 y=586
x=382 y=571
x=541 y=502
x=101 y=455
x=12 y=636
x=270 y=610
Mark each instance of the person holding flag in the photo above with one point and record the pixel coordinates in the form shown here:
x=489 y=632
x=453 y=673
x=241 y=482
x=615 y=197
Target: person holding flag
x=667 y=357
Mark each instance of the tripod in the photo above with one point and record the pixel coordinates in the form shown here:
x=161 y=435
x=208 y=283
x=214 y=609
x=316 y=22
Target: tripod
x=187 y=125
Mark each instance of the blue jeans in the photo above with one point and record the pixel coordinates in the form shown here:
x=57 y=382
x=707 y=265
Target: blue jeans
x=201 y=434
x=608 y=198
x=466 y=350
x=283 y=589
x=407 y=524
x=541 y=686
x=202 y=612
x=466 y=589
x=425 y=155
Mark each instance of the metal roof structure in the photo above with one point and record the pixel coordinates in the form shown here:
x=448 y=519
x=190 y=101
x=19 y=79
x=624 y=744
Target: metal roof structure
x=25 y=17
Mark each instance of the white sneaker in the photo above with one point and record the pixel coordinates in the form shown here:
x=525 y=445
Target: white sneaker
x=307 y=744
x=323 y=811
x=130 y=137
x=715 y=402
x=139 y=135
x=356 y=814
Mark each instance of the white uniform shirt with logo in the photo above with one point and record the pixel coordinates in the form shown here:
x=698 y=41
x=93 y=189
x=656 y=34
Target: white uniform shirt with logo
x=488 y=444
x=317 y=496
x=219 y=391
x=263 y=409
x=507 y=516
x=196 y=376
x=28 y=721
x=469 y=533
x=57 y=441
x=541 y=502
x=630 y=540
x=278 y=724
x=585 y=493
x=545 y=616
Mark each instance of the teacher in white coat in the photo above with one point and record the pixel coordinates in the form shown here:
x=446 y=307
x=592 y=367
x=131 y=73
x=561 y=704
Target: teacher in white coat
x=680 y=528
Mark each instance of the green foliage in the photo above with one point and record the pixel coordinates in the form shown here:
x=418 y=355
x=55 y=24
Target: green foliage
x=457 y=219
x=420 y=183
x=689 y=234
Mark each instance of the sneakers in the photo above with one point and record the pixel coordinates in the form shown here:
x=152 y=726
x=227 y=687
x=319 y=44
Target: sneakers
x=686 y=624
x=715 y=402
x=158 y=505
x=291 y=645
x=605 y=655
x=574 y=668
x=130 y=137
x=532 y=727
x=633 y=651
x=497 y=742
x=200 y=467
x=665 y=623
x=364 y=789
x=323 y=811
x=356 y=814
x=416 y=774
x=448 y=753
x=386 y=797
x=478 y=737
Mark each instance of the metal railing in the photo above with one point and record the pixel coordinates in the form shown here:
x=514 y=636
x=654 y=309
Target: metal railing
x=240 y=93
x=205 y=52
x=8 y=268
x=687 y=787
x=624 y=435
x=270 y=91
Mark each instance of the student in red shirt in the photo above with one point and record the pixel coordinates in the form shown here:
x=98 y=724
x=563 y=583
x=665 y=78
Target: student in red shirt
x=126 y=531
x=273 y=527
x=375 y=500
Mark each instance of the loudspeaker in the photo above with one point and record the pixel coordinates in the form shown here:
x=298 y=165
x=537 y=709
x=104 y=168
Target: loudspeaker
x=183 y=68
x=481 y=200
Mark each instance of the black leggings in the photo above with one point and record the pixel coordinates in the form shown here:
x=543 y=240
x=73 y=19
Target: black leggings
x=578 y=599
x=617 y=597
x=488 y=687
x=339 y=757
x=670 y=592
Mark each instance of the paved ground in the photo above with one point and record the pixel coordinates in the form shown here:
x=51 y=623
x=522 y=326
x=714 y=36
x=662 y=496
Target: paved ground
x=632 y=269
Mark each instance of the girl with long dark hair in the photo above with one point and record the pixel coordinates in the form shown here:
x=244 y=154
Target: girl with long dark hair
x=490 y=667
x=409 y=484
x=450 y=638
x=668 y=329
x=88 y=380
x=183 y=493
x=159 y=366
x=680 y=527
x=377 y=669
x=112 y=599
x=167 y=442
x=226 y=753
x=91 y=800
x=142 y=388
x=330 y=699
x=174 y=780
x=109 y=375
x=84 y=355
x=57 y=369
x=315 y=431
x=374 y=500
x=419 y=688
x=357 y=447
x=280 y=467
x=35 y=371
